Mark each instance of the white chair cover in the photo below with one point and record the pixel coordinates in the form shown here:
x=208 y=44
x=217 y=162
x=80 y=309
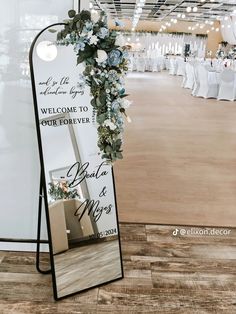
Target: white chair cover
x=141 y=64
x=173 y=66
x=207 y=89
x=181 y=67
x=196 y=84
x=189 y=82
x=227 y=85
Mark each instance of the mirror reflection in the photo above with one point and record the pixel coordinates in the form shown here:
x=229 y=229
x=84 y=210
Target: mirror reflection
x=79 y=185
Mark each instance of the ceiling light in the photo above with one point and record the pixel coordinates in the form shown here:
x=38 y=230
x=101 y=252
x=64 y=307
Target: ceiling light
x=90 y=5
x=195 y=9
x=212 y=0
x=226 y=18
x=188 y=9
x=229 y=26
x=217 y=29
x=222 y=26
x=175 y=21
x=183 y=16
x=208 y=31
x=179 y=15
x=202 y=0
x=212 y=28
x=138 y=12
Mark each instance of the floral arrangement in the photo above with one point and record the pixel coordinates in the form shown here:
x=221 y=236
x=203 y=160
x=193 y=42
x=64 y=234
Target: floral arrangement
x=232 y=53
x=105 y=57
x=220 y=54
x=60 y=190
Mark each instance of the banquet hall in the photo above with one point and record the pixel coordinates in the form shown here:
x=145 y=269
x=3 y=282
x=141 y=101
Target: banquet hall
x=165 y=241
x=179 y=163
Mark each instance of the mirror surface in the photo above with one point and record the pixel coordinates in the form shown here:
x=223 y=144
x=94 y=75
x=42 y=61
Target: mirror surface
x=79 y=187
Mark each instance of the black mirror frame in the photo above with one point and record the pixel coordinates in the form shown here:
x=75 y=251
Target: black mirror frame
x=43 y=180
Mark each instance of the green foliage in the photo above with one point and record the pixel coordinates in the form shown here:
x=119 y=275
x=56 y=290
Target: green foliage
x=71 y=13
x=61 y=190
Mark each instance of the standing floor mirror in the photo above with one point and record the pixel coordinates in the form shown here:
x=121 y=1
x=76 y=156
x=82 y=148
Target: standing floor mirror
x=78 y=185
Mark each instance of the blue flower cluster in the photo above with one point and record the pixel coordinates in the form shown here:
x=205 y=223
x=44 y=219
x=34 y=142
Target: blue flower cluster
x=115 y=57
x=104 y=32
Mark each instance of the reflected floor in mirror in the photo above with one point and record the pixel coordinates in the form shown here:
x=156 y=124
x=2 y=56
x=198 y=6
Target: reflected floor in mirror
x=87 y=266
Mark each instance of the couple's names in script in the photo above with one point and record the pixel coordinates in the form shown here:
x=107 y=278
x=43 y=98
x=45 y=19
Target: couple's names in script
x=89 y=205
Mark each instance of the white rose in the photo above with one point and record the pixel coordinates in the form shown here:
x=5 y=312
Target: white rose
x=110 y=124
x=93 y=40
x=94 y=16
x=101 y=56
x=125 y=103
x=90 y=34
x=120 y=41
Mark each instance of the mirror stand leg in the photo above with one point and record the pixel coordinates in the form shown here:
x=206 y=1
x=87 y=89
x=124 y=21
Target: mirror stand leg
x=39 y=230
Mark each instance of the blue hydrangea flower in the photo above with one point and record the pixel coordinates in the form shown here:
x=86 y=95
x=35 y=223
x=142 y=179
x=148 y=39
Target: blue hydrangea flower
x=113 y=76
x=120 y=123
x=115 y=105
x=126 y=55
x=80 y=46
x=103 y=32
x=89 y=26
x=122 y=91
x=114 y=57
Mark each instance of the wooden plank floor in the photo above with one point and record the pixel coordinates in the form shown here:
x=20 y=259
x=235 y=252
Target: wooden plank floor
x=179 y=162
x=163 y=274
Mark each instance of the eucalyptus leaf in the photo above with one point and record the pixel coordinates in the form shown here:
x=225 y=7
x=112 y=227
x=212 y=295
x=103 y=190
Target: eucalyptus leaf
x=108 y=149
x=119 y=155
x=71 y=13
x=101 y=118
x=52 y=30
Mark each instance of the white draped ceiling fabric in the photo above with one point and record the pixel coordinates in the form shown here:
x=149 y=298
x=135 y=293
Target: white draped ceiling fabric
x=156 y=44
x=228 y=30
